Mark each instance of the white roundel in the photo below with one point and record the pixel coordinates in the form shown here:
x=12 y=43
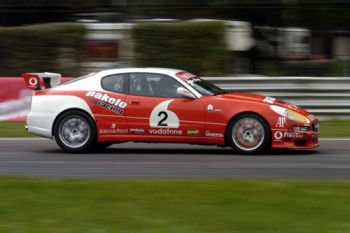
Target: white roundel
x=161 y=117
x=33 y=81
x=278 y=135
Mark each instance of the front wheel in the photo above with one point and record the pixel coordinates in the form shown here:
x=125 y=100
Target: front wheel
x=249 y=134
x=75 y=132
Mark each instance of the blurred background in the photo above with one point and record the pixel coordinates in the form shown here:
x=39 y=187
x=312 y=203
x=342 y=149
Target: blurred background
x=209 y=38
x=295 y=50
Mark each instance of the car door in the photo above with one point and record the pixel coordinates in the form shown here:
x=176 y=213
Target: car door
x=156 y=110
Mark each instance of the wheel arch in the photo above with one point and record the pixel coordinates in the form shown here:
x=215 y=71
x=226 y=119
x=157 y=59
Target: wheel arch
x=243 y=113
x=68 y=110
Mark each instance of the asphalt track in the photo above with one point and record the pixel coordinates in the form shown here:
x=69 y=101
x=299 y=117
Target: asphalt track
x=41 y=157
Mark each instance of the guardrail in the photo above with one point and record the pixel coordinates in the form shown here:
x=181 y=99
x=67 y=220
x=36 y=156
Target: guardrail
x=326 y=97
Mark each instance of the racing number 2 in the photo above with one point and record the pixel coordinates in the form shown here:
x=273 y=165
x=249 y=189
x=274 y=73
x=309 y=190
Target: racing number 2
x=165 y=117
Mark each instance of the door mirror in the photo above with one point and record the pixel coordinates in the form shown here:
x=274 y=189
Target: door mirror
x=185 y=93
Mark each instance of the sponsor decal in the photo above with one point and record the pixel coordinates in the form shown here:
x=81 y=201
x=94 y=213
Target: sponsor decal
x=278 y=135
x=289 y=135
x=281 y=122
x=211 y=134
x=185 y=75
x=33 y=82
x=162 y=117
x=107 y=102
x=165 y=131
x=113 y=131
x=137 y=130
x=210 y=108
x=193 y=132
x=269 y=100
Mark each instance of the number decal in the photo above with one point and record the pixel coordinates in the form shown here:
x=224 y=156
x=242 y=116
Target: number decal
x=160 y=123
x=162 y=117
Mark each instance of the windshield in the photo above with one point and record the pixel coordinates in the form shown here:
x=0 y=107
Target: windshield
x=204 y=87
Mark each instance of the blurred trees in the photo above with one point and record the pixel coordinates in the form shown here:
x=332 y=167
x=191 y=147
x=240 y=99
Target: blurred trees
x=196 y=47
x=38 y=48
x=313 y=14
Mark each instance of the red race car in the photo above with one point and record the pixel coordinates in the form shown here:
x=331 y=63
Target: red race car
x=161 y=105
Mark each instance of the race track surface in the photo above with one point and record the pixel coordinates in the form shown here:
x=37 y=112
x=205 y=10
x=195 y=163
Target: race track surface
x=42 y=157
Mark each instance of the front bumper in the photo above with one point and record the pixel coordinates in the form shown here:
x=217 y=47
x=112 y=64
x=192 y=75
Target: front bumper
x=296 y=139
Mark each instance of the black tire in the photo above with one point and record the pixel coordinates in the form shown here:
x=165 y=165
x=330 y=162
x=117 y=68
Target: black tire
x=75 y=132
x=249 y=134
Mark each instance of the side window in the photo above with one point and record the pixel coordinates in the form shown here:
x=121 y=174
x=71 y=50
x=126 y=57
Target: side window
x=157 y=85
x=115 y=83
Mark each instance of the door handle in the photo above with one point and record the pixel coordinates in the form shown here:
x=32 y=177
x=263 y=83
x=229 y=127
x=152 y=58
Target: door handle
x=135 y=102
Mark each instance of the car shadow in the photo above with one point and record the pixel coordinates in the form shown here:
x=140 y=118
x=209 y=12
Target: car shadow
x=186 y=151
x=214 y=151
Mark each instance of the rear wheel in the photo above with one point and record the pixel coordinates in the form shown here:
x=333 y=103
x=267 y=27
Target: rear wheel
x=249 y=134
x=75 y=132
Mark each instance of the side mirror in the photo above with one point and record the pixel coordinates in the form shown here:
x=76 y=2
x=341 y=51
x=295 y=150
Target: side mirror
x=185 y=93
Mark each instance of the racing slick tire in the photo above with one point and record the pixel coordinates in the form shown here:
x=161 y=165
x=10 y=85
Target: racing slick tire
x=75 y=132
x=249 y=134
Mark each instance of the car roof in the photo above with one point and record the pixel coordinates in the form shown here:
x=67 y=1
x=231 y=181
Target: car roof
x=167 y=71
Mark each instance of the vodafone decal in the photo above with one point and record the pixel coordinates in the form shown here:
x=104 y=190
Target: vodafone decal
x=165 y=131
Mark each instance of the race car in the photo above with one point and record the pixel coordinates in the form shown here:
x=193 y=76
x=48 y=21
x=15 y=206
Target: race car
x=161 y=105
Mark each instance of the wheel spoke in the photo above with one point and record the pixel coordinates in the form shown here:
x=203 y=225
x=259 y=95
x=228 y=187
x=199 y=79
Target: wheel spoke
x=248 y=133
x=74 y=132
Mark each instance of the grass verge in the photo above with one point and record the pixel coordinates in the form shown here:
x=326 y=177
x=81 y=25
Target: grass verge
x=173 y=206
x=328 y=129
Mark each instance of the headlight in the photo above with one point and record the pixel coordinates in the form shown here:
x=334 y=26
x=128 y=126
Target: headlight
x=290 y=114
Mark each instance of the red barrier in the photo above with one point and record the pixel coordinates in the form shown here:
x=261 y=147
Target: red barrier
x=15 y=98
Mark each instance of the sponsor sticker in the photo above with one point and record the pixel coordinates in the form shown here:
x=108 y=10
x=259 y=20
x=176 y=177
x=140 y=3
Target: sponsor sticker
x=210 y=108
x=193 y=132
x=185 y=75
x=33 y=82
x=269 y=100
x=137 y=130
x=278 y=135
x=289 y=135
x=165 y=131
x=113 y=131
x=107 y=102
x=212 y=134
x=281 y=122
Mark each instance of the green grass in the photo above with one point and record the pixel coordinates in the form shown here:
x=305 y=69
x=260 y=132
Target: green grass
x=328 y=129
x=173 y=206
x=335 y=129
x=13 y=129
